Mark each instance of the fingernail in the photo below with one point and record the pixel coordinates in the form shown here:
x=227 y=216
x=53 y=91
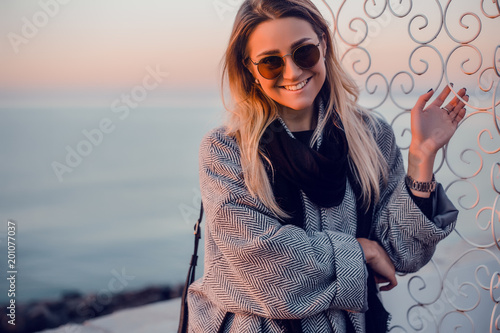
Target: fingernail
x=465 y=89
x=467 y=96
x=451 y=84
x=429 y=90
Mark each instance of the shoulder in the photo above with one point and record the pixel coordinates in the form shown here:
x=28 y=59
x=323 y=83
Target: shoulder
x=379 y=127
x=219 y=144
x=382 y=132
x=377 y=124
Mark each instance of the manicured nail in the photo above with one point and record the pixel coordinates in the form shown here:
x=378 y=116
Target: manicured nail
x=465 y=89
x=451 y=84
x=429 y=90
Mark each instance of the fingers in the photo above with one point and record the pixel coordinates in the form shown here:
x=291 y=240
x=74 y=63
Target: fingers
x=460 y=115
x=379 y=262
x=459 y=111
x=458 y=101
x=423 y=99
x=390 y=283
x=442 y=96
x=456 y=107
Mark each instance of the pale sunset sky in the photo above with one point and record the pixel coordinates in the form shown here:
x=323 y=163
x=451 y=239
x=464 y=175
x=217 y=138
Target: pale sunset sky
x=94 y=45
x=128 y=197
x=57 y=50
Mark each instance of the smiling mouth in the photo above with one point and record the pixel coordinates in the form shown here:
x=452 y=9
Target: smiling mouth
x=298 y=86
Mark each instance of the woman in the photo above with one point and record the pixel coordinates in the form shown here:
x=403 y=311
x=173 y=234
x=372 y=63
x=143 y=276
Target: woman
x=307 y=203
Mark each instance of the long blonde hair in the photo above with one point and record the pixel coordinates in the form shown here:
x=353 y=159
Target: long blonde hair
x=252 y=111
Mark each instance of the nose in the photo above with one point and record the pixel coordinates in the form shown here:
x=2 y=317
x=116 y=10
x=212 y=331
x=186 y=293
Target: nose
x=290 y=71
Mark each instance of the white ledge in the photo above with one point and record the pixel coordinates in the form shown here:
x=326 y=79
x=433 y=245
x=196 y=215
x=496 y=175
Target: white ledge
x=160 y=317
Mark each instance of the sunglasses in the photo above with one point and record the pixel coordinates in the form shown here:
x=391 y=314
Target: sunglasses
x=305 y=56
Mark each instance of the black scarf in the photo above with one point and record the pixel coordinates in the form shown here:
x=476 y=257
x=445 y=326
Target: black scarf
x=321 y=174
x=296 y=166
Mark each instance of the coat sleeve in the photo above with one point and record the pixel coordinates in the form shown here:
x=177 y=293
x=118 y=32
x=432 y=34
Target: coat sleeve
x=255 y=265
x=408 y=236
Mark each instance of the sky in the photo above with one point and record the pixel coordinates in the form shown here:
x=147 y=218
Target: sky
x=92 y=45
x=132 y=186
x=67 y=51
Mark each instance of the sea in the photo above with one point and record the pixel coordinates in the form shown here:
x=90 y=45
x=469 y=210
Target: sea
x=104 y=202
x=101 y=201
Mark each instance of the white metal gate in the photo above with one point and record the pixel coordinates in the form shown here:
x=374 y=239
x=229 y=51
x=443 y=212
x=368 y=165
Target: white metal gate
x=397 y=50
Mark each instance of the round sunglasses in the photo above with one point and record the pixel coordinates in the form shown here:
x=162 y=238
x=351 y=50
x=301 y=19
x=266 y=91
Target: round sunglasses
x=305 y=56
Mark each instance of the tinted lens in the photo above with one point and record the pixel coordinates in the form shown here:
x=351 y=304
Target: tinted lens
x=306 y=56
x=271 y=67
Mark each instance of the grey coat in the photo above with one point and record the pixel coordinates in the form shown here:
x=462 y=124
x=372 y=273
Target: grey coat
x=263 y=271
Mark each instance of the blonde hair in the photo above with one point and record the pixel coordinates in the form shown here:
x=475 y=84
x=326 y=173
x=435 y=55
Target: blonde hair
x=253 y=111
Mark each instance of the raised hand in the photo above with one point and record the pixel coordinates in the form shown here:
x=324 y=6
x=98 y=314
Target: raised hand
x=433 y=126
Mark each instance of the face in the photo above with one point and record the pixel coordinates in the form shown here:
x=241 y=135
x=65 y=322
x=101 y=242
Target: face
x=296 y=88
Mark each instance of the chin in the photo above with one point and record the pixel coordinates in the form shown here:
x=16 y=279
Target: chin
x=298 y=106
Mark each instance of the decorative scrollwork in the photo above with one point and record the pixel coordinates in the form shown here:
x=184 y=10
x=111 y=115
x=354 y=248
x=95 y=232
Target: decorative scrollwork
x=371 y=88
x=356 y=62
x=404 y=90
x=467 y=291
x=495 y=321
x=426 y=63
x=424 y=25
x=494 y=107
x=495 y=179
x=488 y=224
x=446 y=42
x=489 y=15
x=464 y=25
x=465 y=63
x=460 y=318
x=491 y=138
x=495 y=285
x=360 y=35
x=374 y=8
x=397 y=329
x=493 y=210
x=488 y=77
x=463 y=158
x=419 y=318
x=418 y=282
x=400 y=7
x=405 y=131
x=460 y=199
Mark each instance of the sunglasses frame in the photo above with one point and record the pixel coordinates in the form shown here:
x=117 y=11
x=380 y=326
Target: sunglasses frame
x=282 y=57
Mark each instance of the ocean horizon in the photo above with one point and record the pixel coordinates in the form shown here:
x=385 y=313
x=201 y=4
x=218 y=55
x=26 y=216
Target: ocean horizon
x=125 y=209
x=106 y=202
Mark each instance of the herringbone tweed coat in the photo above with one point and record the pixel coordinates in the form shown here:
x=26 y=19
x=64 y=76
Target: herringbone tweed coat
x=262 y=271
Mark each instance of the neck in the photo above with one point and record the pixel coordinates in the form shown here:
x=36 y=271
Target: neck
x=299 y=120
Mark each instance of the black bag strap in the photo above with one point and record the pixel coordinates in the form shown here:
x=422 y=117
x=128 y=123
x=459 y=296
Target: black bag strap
x=183 y=321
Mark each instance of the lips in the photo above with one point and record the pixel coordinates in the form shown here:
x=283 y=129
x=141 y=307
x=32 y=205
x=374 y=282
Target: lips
x=297 y=86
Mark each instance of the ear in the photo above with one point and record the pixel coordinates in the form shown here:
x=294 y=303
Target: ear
x=251 y=69
x=323 y=44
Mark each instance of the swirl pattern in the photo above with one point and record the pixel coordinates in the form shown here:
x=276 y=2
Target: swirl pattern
x=444 y=43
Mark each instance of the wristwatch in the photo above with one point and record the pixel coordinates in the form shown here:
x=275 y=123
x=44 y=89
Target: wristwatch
x=420 y=186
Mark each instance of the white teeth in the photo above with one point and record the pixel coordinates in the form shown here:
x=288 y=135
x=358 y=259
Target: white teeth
x=297 y=87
